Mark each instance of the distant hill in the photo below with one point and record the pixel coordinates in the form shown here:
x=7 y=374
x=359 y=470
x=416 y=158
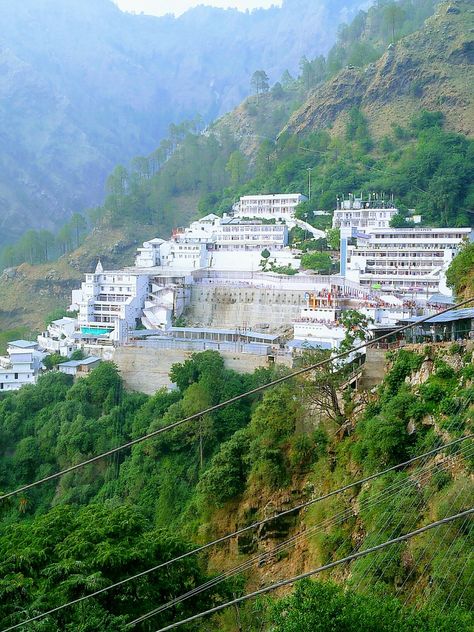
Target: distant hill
x=431 y=69
x=273 y=141
x=84 y=86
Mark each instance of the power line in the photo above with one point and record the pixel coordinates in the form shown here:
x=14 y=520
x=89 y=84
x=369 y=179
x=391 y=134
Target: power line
x=261 y=557
x=326 y=567
x=243 y=530
x=232 y=400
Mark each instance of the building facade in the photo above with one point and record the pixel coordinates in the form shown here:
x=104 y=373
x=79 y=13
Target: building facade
x=22 y=366
x=405 y=260
x=363 y=215
x=275 y=206
x=110 y=303
x=59 y=337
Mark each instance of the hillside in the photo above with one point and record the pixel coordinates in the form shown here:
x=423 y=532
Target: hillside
x=430 y=69
x=242 y=464
x=85 y=86
x=189 y=174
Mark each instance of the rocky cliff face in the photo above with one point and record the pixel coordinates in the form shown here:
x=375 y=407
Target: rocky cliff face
x=431 y=69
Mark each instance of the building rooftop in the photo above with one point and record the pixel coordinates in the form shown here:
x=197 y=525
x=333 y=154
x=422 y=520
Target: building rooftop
x=23 y=344
x=84 y=362
x=214 y=330
x=447 y=317
x=63 y=321
x=441 y=299
x=272 y=195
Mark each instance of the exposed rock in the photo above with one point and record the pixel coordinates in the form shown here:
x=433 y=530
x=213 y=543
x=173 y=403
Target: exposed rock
x=420 y=376
x=9 y=274
x=429 y=69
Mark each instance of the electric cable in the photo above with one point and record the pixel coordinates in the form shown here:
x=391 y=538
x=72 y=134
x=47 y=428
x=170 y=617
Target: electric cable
x=320 y=569
x=458 y=577
x=468 y=583
x=214 y=408
x=254 y=525
x=329 y=522
x=426 y=562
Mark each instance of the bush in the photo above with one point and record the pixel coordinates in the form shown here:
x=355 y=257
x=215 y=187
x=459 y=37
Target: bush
x=432 y=392
x=306 y=449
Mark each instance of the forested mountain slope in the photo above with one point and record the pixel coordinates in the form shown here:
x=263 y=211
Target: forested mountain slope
x=421 y=162
x=245 y=462
x=432 y=69
x=85 y=86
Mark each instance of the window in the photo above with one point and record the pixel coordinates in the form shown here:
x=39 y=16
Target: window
x=16 y=376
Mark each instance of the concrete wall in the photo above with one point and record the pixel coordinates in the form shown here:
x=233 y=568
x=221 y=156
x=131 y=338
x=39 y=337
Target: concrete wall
x=229 y=307
x=146 y=370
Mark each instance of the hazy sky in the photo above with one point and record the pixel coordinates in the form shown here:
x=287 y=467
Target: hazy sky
x=160 y=7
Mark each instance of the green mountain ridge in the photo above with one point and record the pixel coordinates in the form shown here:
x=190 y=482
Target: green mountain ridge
x=422 y=163
x=84 y=86
x=430 y=69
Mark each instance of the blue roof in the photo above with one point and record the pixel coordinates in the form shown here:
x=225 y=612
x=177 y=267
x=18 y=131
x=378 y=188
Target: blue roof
x=448 y=317
x=76 y=363
x=23 y=344
x=442 y=299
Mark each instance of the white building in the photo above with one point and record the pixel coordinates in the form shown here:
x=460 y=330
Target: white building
x=59 y=337
x=274 y=206
x=404 y=260
x=149 y=255
x=363 y=215
x=212 y=242
x=235 y=234
x=110 y=303
x=78 y=368
x=22 y=366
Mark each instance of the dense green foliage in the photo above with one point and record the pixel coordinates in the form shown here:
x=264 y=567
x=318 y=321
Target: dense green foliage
x=460 y=273
x=71 y=551
x=423 y=166
x=319 y=607
x=114 y=518
x=40 y=246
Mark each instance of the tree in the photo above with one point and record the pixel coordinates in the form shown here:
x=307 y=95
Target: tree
x=319 y=607
x=79 y=227
x=334 y=238
x=393 y=15
x=236 y=167
x=318 y=261
x=460 y=274
x=324 y=386
x=265 y=254
x=70 y=552
x=260 y=82
x=277 y=91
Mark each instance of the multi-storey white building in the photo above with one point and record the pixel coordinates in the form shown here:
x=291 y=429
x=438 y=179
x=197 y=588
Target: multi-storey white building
x=194 y=247
x=149 y=255
x=363 y=215
x=405 y=260
x=250 y=235
x=274 y=206
x=22 y=366
x=59 y=337
x=110 y=303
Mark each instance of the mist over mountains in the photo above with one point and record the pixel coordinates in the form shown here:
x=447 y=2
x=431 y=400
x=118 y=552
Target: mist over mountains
x=84 y=86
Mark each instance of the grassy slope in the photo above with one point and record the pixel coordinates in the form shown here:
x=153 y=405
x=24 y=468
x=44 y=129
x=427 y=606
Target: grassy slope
x=429 y=69
x=29 y=293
